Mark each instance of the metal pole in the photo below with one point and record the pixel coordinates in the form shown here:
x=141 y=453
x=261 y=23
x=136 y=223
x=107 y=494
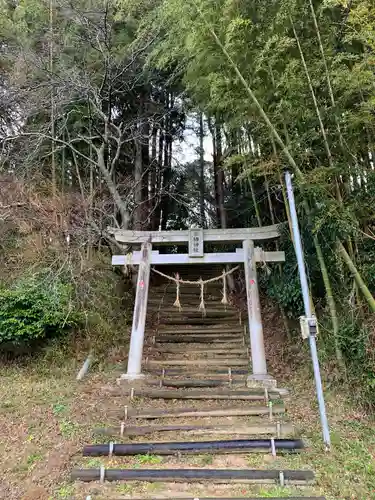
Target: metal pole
x=308 y=308
x=139 y=317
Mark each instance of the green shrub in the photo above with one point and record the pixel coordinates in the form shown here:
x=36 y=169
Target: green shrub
x=34 y=308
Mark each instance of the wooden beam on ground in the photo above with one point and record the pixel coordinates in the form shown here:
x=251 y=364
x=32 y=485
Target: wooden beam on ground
x=201 y=330
x=196 y=350
x=153 y=413
x=197 y=362
x=182 y=237
x=194 y=311
x=179 y=371
x=193 y=383
x=227 y=446
x=199 y=321
x=225 y=476
x=203 y=373
x=279 y=429
x=241 y=395
x=197 y=339
x=215 y=353
x=228 y=347
x=234 y=498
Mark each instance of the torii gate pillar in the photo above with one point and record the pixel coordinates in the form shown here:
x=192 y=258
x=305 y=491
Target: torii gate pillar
x=134 y=370
x=259 y=376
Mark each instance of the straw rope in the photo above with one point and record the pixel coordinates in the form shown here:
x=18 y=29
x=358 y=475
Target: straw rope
x=201 y=283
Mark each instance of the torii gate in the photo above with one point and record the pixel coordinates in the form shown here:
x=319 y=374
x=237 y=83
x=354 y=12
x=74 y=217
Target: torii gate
x=249 y=255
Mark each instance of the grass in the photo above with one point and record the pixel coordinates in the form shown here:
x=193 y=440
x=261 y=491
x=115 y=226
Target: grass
x=46 y=417
x=33 y=458
x=148 y=460
x=68 y=429
x=65 y=492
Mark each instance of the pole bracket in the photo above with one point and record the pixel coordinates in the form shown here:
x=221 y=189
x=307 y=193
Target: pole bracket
x=309 y=326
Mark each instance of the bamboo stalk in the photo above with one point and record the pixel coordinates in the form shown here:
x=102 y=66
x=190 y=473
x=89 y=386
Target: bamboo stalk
x=361 y=284
x=331 y=302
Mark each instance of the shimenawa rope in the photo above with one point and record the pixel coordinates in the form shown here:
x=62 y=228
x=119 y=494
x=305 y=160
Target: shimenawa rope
x=201 y=283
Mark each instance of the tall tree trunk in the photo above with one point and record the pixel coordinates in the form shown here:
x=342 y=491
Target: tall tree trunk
x=201 y=172
x=153 y=178
x=215 y=169
x=220 y=177
x=138 y=185
x=53 y=156
x=167 y=155
x=160 y=176
x=145 y=137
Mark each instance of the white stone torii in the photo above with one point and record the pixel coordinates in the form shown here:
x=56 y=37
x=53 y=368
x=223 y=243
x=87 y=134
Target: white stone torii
x=249 y=255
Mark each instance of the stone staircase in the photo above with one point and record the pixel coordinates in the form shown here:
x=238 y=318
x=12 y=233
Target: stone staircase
x=190 y=428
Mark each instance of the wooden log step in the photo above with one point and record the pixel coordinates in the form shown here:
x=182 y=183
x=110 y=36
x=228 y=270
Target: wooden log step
x=197 y=362
x=196 y=475
x=198 y=321
x=229 y=446
x=200 y=355
x=207 y=383
x=201 y=330
x=230 y=347
x=188 y=299
x=224 y=394
x=279 y=429
x=274 y=393
x=181 y=371
x=194 y=311
x=90 y=497
x=197 y=339
x=199 y=350
x=205 y=373
x=153 y=413
x=209 y=372
x=214 y=318
x=189 y=383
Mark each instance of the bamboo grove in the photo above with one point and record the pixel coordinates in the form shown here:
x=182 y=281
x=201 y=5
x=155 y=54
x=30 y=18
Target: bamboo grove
x=97 y=98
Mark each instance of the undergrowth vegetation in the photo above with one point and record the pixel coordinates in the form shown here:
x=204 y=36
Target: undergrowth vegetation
x=52 y=292
x=35 y=308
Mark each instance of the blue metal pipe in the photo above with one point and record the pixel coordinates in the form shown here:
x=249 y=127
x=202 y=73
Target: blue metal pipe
x=308 y=309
